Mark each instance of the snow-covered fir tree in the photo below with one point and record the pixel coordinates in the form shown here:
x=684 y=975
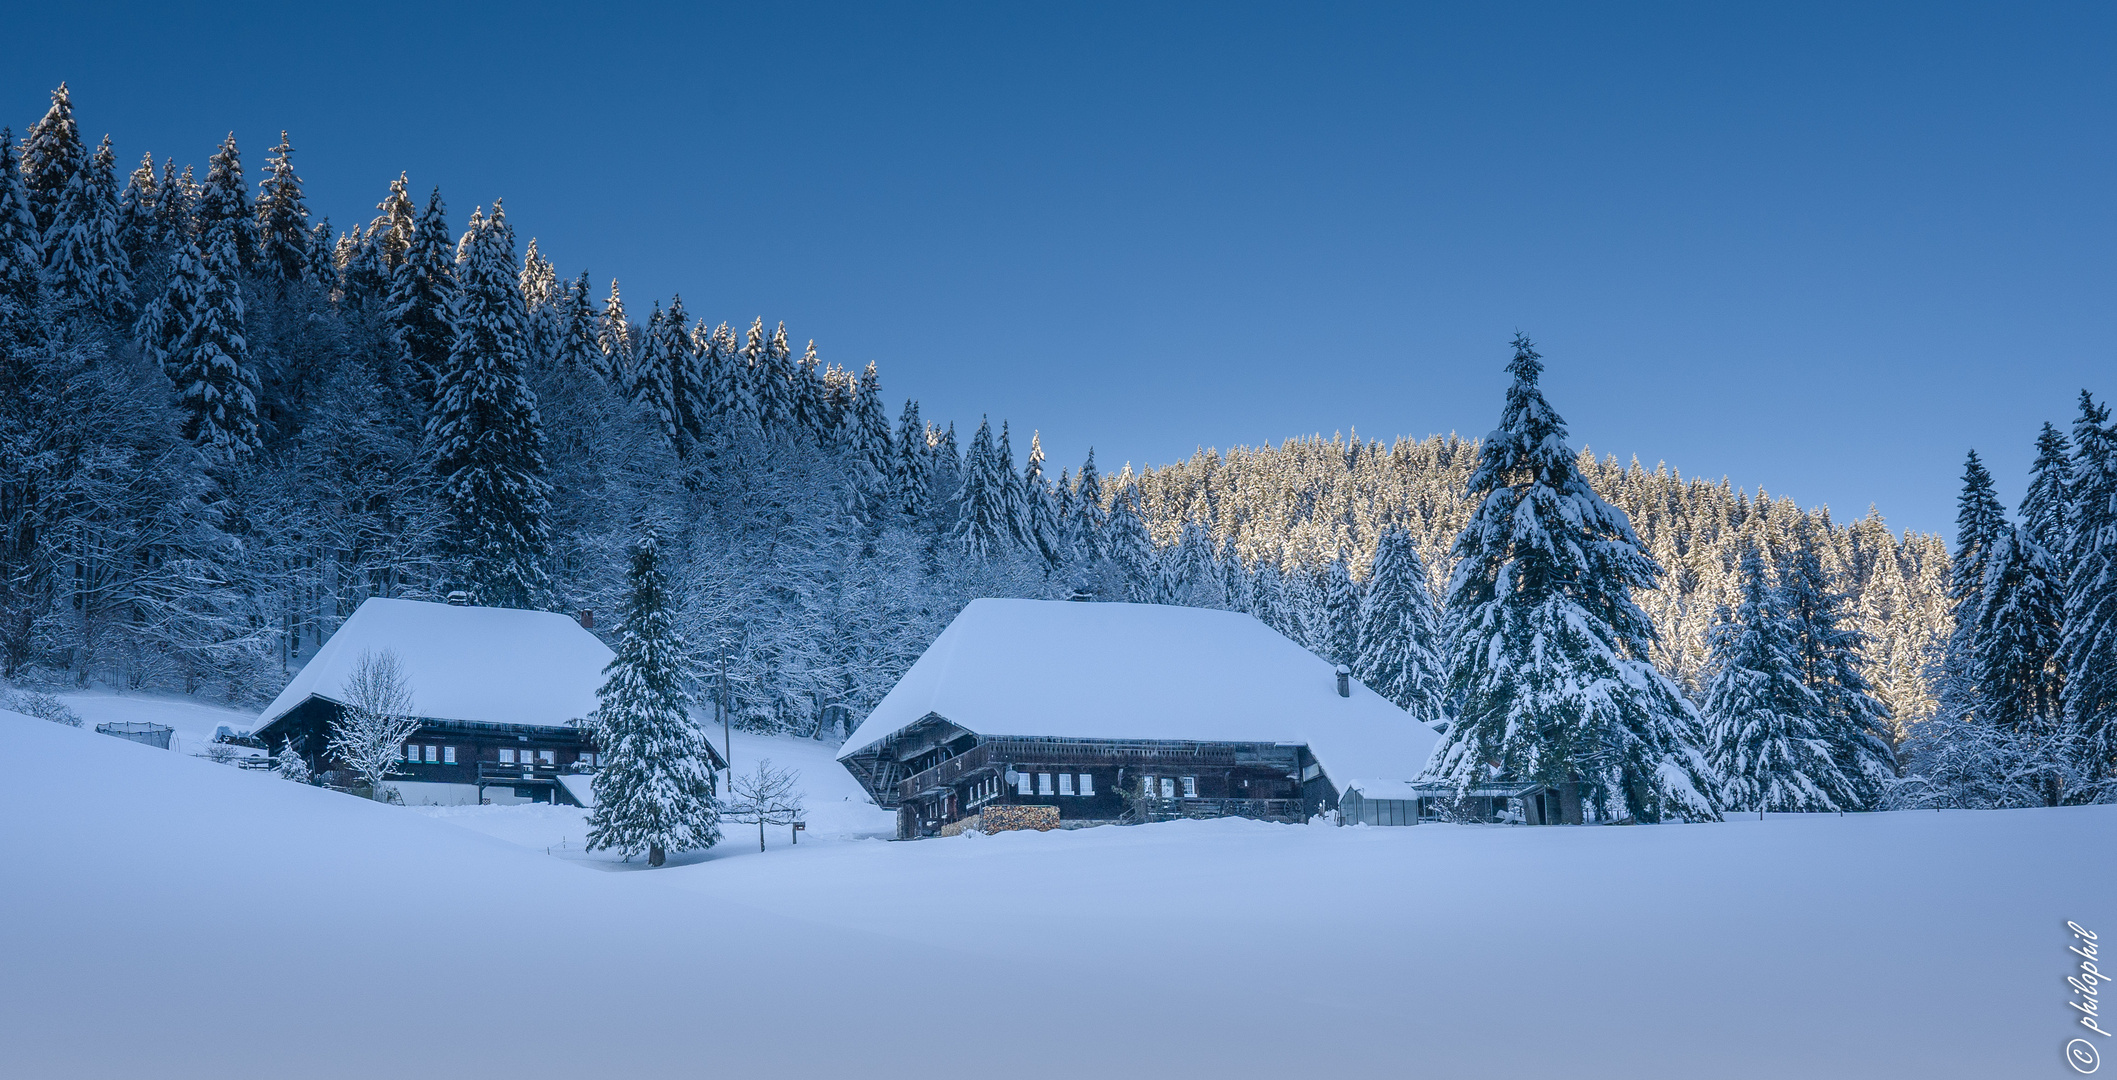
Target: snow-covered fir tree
x=2088 y=644
x=1764 y=723
x=216 y=386
x=1396 y=636
x=486 y=436
x=654 y=792
x=223 y=205
x=283 y=218
x=1548 y=653
x=85 y=265
x=50 y=154
x=421 y=305
x=1828 y=649
x=982 y=527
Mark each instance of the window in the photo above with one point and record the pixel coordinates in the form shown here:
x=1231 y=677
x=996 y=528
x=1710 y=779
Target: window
x=548 y=757
x=448 y=754
x=1021 y=783
x=1065 y=783
x=408 y=753
x=507 y=757
x=585 y=758
x=1168 y=788
x=1146 y=787
x=1043 y=783
x=1190 y=787
x=433 y=754
x=1087 y=783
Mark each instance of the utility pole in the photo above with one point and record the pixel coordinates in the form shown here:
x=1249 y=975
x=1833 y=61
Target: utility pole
x=720 y=705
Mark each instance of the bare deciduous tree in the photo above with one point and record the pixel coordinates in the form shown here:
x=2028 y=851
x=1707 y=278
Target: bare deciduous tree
x=765 y=796
x=376 y=720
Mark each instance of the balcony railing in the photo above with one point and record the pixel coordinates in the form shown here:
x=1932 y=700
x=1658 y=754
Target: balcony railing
x=502 y=772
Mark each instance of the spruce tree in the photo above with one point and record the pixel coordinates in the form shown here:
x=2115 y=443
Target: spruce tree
x=2019 y=620
x=1040 y=524
x=216 y=385
x=663 y=355
x=51 y=153
x=1978 y=521
x=576 y=348
x=20 y=255
x=869 y=425
x=981 y=526
x=224 y=205
x=84 y=261
x=911 y=473
x=485 y=434
x=1548 y=653
x=1765 y=724
x=1014 y=501
x=614 y=337
x=2088 y=644
x=282 y=219
x=654 y=791
x=396 y=227
x=1396 y=637
x=731 y=402
x=1831 y=652
x=420 y=308
x=2044 y=505
x=1341 y=613
x=1131 y=563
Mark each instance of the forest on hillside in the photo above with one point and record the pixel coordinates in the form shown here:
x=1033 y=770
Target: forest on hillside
x=230 y=421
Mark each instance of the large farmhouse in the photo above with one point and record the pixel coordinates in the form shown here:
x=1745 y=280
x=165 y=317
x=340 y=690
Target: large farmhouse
x=1122 y=712
x=499 y=694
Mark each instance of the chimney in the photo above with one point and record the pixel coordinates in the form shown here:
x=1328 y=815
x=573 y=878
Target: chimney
x=587 y=619
x=459 y=598
x=1345 y=681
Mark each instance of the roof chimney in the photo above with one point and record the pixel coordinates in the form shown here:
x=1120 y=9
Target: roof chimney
x=1345 y=681
x=587 y=619
x=459 y=598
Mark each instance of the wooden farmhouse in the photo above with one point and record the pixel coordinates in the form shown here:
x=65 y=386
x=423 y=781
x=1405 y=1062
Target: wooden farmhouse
x=499 y=694
x=1050 y=713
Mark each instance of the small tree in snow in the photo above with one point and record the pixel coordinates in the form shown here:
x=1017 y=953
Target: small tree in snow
x=765 y=796
x=376 y=719
x=290 y=765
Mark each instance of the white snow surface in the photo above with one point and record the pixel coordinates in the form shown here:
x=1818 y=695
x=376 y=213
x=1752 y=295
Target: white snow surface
x=1145 y=671
x=493 y=665
x=175 y=918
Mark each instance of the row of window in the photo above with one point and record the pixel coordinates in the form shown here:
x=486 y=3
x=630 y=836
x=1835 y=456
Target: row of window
x=446 y=755
x=1067 y=783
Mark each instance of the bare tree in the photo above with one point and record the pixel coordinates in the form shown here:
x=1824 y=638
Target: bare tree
x=376 y=719
x=765 y=796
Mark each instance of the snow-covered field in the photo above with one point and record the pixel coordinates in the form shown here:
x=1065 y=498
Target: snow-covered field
x=170 y=917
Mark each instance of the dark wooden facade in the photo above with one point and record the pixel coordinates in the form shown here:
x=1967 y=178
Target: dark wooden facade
x=936 y=772
x=463 y=752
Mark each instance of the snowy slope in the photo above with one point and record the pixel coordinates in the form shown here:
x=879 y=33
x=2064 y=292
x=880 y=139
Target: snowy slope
x=173 y=918
x=194 y=720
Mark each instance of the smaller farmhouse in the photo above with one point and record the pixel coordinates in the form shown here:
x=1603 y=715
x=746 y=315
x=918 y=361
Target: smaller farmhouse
x=1121 y=712
x=499 y=692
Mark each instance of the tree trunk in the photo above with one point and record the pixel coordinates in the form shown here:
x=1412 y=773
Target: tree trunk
x=655 y=856
x=760 y=832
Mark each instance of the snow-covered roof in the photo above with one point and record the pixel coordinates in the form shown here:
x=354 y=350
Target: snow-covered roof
x=1063 y=669
x=492 y=665
x=1383 y=789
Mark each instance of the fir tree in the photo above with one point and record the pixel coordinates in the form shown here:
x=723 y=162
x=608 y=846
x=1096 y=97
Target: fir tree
x=289 y=764
x=1396 y=637
x=1830 y=651
x=731 y=406
x=20 y=254
x=981 y=527
x=2088 y=645
x=911 y=473
x=1128 y=550
x=84 y=262
x=282 y=219
x=1341 y=613
x=1547 y=651
x=423 y=293
x=576 y=348
x=485 y=434
x=654 y=791
x=1765 y=723
x=1013 y=501
x=216 y=385
x=664 y=361
x=1040 y=524
x=51 y=153
x=870 y=439
x=2044 y=505
x=142 y=232
x=223 y=206
x=2019 y=620
x=614 y=337
x=1978 y=521
x=396 y=228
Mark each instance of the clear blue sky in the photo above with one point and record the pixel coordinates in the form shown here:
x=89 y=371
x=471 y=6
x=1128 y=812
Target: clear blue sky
x=1824 y=249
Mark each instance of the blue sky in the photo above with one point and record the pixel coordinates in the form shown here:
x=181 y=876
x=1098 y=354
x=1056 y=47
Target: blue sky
x=1811 y=248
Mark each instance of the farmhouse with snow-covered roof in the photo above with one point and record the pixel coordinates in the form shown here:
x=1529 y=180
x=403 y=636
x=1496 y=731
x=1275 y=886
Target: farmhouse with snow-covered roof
x=499 y=693
x=1121 y=712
